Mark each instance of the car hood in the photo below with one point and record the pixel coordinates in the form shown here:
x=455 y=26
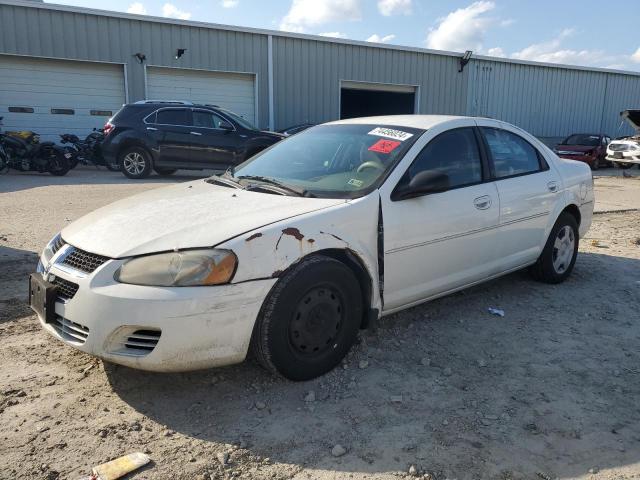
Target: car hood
x=574 y=148
x=186 y=215
x=633 y=117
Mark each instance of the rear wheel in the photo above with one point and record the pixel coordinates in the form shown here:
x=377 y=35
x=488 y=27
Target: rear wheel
x=310 y=319
x=559 y=254
x=59 y=165
x=135 y=162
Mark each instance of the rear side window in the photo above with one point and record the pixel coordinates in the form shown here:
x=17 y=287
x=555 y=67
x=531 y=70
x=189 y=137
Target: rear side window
x=512 y=155
x=173 y=116
x=454 y=153
x=204 y=119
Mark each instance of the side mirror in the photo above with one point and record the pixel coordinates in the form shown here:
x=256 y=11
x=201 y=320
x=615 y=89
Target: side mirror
x=424 y=183
x=224 y=125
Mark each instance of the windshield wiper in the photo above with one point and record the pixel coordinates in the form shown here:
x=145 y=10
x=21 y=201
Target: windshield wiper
x=224 y=180
x=272 y=181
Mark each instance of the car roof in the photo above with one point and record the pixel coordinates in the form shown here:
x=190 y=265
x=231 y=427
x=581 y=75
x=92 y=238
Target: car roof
x=413 y=121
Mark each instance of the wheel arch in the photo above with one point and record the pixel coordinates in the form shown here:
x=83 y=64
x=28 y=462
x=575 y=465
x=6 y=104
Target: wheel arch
x=135 y=143
x=572 y=209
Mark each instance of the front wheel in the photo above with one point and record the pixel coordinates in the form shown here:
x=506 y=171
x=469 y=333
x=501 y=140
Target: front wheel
x=596 y=164
x=560 y=252
x=135 y=163
x=310 y=319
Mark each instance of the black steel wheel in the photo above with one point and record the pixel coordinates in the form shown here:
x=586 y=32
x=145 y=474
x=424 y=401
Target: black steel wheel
x=310 y=319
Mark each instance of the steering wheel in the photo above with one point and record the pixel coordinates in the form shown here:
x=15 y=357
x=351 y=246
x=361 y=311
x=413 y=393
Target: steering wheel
x=370 y=164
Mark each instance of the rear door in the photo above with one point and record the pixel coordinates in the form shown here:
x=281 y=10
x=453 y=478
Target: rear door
x=212 y=146
x=528 y=189
x=175 y=139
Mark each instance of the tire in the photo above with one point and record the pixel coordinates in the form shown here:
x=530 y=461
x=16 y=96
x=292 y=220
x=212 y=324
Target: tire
x=58 y=165
x=165 y=171
x=135 y=163
x=560 y=252
x=623 y=166
x=596 y=164
x=309 y=320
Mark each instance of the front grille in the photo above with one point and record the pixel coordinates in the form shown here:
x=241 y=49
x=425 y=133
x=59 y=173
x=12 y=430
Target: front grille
x=84 y=261
x=70 y=331
x=620 y=147
x=66 y=289
x=57 y=244
x=141 y=342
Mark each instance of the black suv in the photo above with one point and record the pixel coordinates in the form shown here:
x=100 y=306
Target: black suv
x=167 y=136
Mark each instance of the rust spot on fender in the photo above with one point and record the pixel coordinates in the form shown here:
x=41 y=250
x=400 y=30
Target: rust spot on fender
x=254 y=236
x=311 y=240
x=294 y=232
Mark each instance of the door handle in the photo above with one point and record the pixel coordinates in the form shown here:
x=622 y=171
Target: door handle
x=552 y=186
x=482 y=203
x=198 y=134
x=152 y=129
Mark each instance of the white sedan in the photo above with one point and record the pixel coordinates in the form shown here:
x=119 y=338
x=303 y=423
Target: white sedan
x=302 y=245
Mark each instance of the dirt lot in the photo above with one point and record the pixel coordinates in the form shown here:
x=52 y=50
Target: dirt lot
x=549 y=391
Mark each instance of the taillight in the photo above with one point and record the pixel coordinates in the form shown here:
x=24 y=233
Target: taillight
x=108 y=128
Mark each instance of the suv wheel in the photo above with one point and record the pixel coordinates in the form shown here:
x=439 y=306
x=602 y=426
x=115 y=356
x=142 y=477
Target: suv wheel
x=135 y=162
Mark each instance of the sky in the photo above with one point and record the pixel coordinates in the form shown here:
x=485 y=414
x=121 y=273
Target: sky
x=578 y=32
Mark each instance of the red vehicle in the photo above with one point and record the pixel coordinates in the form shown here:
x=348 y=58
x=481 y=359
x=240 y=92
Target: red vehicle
x=590 y=148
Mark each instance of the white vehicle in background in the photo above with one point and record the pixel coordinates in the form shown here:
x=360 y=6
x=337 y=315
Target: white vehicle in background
x=625 y=153
x=306 y=242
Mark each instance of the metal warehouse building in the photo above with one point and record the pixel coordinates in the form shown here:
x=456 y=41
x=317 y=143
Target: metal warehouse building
x=69 y=69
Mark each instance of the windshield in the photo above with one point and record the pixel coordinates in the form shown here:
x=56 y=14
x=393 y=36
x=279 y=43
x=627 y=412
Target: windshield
x=333 y=161
x=238 y=119
x=581 y=139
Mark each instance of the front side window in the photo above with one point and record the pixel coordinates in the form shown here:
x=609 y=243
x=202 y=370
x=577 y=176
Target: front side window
x=454 y=153
x=333 y=161
x=204 y=119
x=512 y=155
x=173 y=116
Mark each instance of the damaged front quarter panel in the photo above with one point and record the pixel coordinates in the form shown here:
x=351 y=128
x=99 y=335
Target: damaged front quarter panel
x=352 y=227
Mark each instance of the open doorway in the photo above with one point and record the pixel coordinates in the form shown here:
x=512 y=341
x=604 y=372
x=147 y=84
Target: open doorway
x=358 y=99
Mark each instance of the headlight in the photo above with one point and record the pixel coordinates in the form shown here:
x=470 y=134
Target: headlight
x=52 y=247
x=187 y=268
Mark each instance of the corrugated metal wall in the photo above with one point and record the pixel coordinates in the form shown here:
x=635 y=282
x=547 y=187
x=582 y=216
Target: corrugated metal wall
x=79 y=36
x=307 y=76
x=551 y=101
x=547 y=101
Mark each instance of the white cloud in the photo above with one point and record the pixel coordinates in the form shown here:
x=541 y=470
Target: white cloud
x=378 y=39
x=333 y=34
x=229 y=3
x=171 y=11
x=463 y=29
x=394 y=7
x=552 y=51
x=507 y=22
x=636 y=56
x=496 y=52
x=311 y=13
x=137 y=8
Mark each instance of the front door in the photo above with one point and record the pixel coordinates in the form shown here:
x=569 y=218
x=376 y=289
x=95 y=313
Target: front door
x=440 y=241
x=174 y=126
x=529 y=189
x=213 y=147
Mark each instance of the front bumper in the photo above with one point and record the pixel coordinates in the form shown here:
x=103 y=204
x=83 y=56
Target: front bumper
x=156 y=328
x=627 y=157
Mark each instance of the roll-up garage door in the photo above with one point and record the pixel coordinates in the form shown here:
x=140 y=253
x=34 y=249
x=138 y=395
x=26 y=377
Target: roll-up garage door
x=52 y=97
x=233 y=91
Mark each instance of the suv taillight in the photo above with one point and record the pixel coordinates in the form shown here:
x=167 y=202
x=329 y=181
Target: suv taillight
x=108 y=128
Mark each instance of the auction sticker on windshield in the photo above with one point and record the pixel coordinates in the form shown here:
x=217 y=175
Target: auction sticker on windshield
x=384 y=146
x=391 y=133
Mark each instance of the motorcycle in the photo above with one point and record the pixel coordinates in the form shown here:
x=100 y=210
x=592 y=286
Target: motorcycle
x=86 y=151
x=23 y=151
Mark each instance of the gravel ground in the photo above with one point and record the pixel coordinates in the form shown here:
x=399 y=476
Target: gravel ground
x=444 y=390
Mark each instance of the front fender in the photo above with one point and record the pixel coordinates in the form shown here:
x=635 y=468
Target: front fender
x=269 y=251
